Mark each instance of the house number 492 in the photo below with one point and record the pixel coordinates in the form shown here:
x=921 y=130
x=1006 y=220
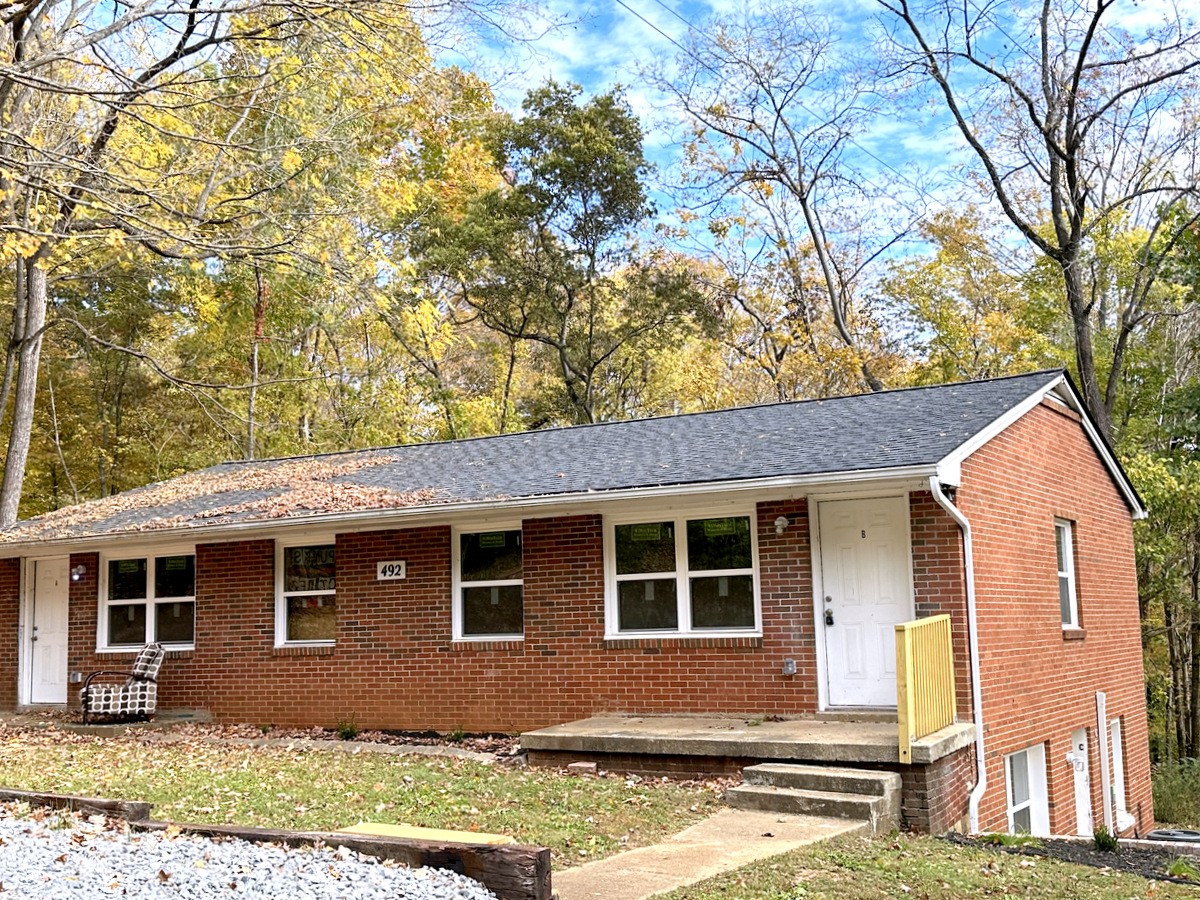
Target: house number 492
x=390 y=571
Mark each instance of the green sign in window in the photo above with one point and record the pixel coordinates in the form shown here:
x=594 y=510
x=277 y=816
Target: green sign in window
x=719 y=527
x=492 y=539
x=651 y=531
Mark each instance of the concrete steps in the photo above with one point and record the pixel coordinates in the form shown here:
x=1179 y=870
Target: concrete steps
x=857 y=794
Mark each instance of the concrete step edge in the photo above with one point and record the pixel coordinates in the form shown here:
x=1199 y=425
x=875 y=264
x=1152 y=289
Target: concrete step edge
x=836 y=779
x=771 y=790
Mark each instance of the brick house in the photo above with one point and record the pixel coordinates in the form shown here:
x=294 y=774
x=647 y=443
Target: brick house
x=749 y=561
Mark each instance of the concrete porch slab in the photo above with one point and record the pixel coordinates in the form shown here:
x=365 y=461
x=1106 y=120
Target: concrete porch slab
x=802 y=739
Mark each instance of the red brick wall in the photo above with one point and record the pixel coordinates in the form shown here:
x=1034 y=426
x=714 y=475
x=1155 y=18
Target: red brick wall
x=939 y=583
x=395 y=665
x=1038 y=686
x=10 y=621
x=935 y=797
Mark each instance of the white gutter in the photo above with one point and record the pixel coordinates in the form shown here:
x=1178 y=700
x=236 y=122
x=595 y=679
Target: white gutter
x=935 y=488
x=382 y=518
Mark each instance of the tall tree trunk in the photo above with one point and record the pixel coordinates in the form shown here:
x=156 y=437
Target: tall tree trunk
x=1194 y=680
x=260 y=318
x=28 y=356
x=1085 y=357
x=16 y=333
x=1175 y=688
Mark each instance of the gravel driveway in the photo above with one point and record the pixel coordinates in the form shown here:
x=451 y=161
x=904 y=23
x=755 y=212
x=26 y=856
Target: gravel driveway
x=45 y=854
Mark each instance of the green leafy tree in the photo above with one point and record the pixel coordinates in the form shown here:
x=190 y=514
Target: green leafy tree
x=551 y=255
x=965 y=311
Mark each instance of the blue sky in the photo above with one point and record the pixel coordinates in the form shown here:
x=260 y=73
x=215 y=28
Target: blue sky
x=601 y=43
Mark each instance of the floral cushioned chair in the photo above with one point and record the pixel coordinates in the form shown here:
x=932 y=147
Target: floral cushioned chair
x=135 y=698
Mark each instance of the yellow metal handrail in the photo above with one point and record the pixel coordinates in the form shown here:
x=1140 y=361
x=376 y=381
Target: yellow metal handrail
x=925 y=698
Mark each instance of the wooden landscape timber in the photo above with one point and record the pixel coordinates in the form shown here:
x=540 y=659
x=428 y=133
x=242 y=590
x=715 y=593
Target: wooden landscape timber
x=510 y=871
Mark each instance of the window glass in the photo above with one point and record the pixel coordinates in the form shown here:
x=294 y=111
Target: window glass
x=648 y=604
x=127 y=579
x=175 y=576
x=175 y=623
x=149 y=580
x=724 y=601
x=1023 y=821
x=1064 y=551
x=308 y=569
x=126 y=624
x=714 y=544
x=1064 y=600
x=493 y=610
x=311 y=618
x=491 y=556
x=663 y=580
x=645 y=547
x=1018 y=773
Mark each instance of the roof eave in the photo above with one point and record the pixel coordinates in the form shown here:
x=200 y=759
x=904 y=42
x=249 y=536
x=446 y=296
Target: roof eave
x=949 y=470
x=384 y=517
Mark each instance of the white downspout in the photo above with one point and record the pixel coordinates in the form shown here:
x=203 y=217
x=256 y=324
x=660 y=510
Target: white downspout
x=935 y=488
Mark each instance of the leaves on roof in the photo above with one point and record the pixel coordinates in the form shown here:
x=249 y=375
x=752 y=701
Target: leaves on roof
x=284 y=489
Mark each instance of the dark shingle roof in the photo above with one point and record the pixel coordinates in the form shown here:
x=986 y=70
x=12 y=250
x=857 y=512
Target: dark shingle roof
x=891 y=429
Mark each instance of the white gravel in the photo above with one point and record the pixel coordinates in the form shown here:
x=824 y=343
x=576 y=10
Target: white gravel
x=55 y=855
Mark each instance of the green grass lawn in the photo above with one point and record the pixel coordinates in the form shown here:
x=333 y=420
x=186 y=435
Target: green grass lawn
x=920 y=867
x=578 y=818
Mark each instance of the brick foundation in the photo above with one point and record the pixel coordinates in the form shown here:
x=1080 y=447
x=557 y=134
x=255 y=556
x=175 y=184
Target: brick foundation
x=935 y=796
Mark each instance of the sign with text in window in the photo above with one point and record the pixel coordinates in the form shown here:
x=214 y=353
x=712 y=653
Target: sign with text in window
x=390 y=571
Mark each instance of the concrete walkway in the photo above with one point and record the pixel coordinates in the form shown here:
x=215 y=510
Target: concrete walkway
x=726 y=841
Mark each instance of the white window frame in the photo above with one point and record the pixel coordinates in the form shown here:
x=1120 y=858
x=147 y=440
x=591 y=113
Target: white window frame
x=457 y=584
x=682 y=572
x=281 y=598
x=103 y=645
x=1034 y=760
x=1064 y=530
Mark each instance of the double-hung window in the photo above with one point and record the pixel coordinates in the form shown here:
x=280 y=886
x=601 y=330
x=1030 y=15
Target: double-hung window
x=147 y=598
x=1068 y=602
x=489 y=599
x=305 y=605
x=682 y=575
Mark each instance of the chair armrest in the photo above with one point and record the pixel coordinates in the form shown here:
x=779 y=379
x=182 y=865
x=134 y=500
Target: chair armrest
x=94 y=675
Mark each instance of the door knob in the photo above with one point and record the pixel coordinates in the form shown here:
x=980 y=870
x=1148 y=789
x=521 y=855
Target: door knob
x=829 y=617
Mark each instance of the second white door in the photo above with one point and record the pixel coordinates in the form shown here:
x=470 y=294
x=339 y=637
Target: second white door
x=867 y=587
x=48 y=637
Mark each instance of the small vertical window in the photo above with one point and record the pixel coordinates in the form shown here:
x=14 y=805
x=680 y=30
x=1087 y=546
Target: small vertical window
x=1068 y=603
x=306 y=610
x=490 y=573
x=1028 y=809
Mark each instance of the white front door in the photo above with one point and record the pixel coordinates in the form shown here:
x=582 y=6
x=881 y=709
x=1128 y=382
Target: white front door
x=1078 y=758
x=867 y=586
x=48 y=632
